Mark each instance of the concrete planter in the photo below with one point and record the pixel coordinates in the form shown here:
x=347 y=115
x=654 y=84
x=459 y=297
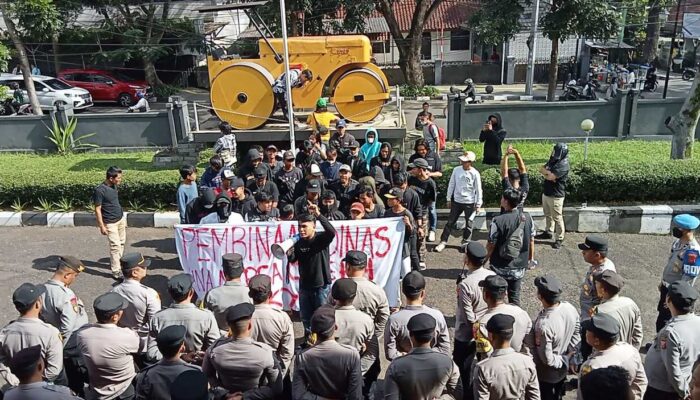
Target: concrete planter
x=10 y=218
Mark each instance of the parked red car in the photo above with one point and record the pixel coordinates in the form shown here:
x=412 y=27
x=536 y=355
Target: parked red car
x=111 y=86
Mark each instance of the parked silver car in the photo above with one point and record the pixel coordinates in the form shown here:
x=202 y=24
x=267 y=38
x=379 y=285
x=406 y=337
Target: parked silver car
x=52 y=91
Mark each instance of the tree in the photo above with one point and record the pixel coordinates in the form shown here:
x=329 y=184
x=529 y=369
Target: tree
x=683 y=124
x=307 y=17
x=653 y=28
x=497 y=20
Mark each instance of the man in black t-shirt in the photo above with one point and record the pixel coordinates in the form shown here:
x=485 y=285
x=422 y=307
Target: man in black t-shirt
x=424 y=185
x=286 y=179
x=556 y=173
x=262 y=184
x=515 y=178
x=396 y=209
x=110 y=218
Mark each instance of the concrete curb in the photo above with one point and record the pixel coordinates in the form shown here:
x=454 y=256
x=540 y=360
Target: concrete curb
x=490 y=97
x=646 y=219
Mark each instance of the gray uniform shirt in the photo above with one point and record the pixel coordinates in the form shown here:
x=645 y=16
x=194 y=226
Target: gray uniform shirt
x=589 y=297
x=555 y=333
x=219 y=299
x=627 y=314
x=506 y=374
x=107 y=351
x=327 y=369
x=522 y=326
x=670 y=359
x=355 y=329
x=674 y=267
x=64 y=310
x=27 y=332
x=623 y=355
x=153 y=383
x=202 y=330
x=422 y=374
x=470 y=304
x=397 y=340
x=273 y=327
x=144 y=302
x=371 y=300
x=39 y=391
x=238 y=365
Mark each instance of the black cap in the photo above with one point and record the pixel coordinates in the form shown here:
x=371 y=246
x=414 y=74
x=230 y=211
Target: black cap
x=236 y=183
x=289 y=155
x=476 y=251
x=314 y=186
x=500 y=323
x=260 y=171
x=26 y=294
x=354 y=143
x=594 y=242
x=494 y=284
x=130 y=261
x=71 y=262
x=110 y=303
x=419 y=163
x=287 y=210
x=549 y=284
x=171 y=336
x=262 y=197
x=323 y=319
x=394 y=193
x=25 y=361
x=356 y=258
x=344 y=289
x=602 y=325
x=231 y=261
x=208 y=197
x=259 y=284
x=421 y=323
x=180 y=284
x=307 y=145
x=239 y=311
x=328 y=195
x=413 y=283
x=610 y=277
x=254 y=154
x=682 y=294
x=190 y=385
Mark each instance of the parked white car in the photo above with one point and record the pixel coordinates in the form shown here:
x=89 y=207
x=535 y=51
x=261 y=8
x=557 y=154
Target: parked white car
x=52 y=91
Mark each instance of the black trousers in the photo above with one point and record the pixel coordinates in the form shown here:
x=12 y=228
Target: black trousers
x=552 y=391
x=371 y=377
x=456 y=212
x=463 y=355
x=656 y=394
x=514 y=286
x=75 y=374
x=664 y=313
x=413 y=252
x=586 y=348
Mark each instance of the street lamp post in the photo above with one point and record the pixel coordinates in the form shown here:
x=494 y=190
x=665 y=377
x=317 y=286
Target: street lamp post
x=530 y=77
x=288 y=83
x=587 y=126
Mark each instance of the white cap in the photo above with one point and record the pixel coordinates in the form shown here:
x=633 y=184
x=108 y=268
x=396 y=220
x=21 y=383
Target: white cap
x=467 y=156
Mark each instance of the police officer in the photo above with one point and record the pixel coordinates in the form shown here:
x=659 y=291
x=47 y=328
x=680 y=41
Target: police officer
x=107 y=350
x=625 y=311
x=28 y=365
x=683 y=263
x=602 y=333
x=28 y=330
x=422 y=373
x=397 y=340
x=506 y=374
x=65 y=311
x=239 y=363
x=233 y=292
x=669 y=361
x=191 y=385
x=470 y=307
x=153 y=382
x=328 y=369
x=144 y=301
x=554 y=337
x=495 y=290
x=355 y=328
x=202 y=330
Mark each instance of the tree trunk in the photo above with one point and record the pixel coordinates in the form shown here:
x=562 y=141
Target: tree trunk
x=653 y=31
x=553 y=69
x=54 y=45
x=23 y=62
x=411 y=66
x=149 y=68
x=683 y=124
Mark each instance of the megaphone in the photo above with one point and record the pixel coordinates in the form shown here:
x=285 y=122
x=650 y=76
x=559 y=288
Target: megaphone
x=279 y=250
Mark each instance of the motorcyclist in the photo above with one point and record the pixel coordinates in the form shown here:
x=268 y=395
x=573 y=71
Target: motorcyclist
x=141 y=105
x=470 y=90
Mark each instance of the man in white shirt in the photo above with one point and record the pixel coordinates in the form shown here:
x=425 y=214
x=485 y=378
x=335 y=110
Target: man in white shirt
x=464 y=195
x=141 y=105
x=297 y=79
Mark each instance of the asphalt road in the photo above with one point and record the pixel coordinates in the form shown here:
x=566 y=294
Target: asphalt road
x=28 y=253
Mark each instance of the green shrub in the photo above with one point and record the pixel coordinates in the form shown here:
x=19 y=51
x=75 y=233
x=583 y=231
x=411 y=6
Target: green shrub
x=162 y=92
x=415 y=91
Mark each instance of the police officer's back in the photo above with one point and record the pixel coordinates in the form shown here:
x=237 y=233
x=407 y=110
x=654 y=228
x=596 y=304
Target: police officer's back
x=233 y=292
x=495 y=291
x=355 y=328
x=28 y=365
x=623 y=309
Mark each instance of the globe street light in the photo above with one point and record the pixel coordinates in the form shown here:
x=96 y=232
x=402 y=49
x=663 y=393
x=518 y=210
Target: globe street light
x=587 y=126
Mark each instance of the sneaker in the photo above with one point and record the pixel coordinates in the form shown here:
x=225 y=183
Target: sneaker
x=117 y=276
x=431 y=236
x=440 y=247
x=422 y=266
x=557 y=244
x=544 y=235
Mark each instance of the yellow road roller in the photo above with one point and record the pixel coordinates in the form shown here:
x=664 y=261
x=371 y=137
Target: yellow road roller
x=241 y=88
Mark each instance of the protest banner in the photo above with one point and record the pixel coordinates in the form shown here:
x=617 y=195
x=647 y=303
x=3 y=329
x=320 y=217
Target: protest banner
x=200 y=248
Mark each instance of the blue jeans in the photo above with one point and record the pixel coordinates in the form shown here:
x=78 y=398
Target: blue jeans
x=309 y=301
x=432 y=217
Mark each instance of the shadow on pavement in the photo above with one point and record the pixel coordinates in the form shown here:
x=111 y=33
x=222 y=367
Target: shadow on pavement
x=91 y=267
x=159 y=245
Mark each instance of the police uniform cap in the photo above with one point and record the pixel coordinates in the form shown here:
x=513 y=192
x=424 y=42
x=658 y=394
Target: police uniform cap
x=110 y=303
x=594 y=242
x=190 y=385
x=549 y=284
x=260 y=171
x=71 y=262
x=171 y=336
x=239 y=312
x=260 y=284
x=686 y=221
x=394 y=193
x=356 y=258
x=344 y=289
x=610 y=277
x=413 y=283
x=494 y=284
x=323 y=319
x=500 y=323
x=180 y=284
x=602 y=325
x=682 y=293
x=130 y=261
x=420 y=323
x=476 y=251
x=25 y=360
x=26 y=294
x=232 y=261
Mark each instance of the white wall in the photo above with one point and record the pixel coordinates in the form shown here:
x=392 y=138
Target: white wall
x=440 y=49
x=518 y=48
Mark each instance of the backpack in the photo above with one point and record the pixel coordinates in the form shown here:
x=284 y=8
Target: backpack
x=510 y=249
x=441 y=140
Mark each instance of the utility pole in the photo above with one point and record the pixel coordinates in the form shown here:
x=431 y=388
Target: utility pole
x=529 y=80
x=673 y=43
x=288 y=83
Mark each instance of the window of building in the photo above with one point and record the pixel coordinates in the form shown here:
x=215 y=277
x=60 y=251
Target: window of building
x=459 y=40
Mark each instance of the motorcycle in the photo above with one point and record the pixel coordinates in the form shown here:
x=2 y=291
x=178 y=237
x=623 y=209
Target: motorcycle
x=579 y=91
x=651 y=83
x=470 y=92
x=6 y=107
x=689 y=74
